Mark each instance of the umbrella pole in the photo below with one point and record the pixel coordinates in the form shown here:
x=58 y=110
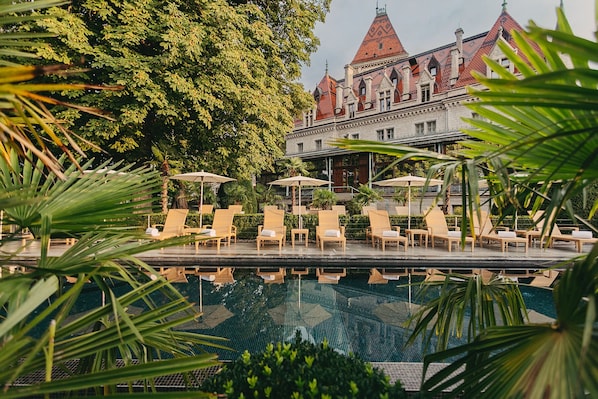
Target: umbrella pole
x=300 y=218
x=200 y=295
x=409 y=292
x=299 y=291
x=409 y=205
x=201 y=205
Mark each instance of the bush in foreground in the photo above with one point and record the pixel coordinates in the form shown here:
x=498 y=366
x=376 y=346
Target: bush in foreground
x=302 y=370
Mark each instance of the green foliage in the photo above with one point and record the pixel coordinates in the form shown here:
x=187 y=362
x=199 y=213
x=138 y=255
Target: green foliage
x=36 y=332
x=239 y=193
x=365 y=196
x=542 y=123
x=216 y=78
x=323 y=198
x=302 y=370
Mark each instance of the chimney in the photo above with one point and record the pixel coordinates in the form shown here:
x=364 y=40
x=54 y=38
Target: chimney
x=339 y=98
x=348 y=79
x=454 y=65
x=406 y=72
x=459 y=37
x=368 y=90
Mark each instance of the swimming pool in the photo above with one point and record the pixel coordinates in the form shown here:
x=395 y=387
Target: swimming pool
x=349 y=310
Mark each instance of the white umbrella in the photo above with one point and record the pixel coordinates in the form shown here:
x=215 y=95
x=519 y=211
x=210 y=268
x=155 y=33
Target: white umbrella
x=299 y=181
x=408 y=181
x=202 y=177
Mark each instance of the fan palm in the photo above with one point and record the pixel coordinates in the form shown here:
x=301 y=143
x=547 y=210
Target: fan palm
x=97 y=208
x=544 y=123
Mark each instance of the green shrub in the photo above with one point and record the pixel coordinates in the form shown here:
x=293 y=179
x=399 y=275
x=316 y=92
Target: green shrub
x=302 y=370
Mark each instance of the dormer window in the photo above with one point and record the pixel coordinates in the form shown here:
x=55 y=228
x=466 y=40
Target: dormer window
x=309 y=118
x=362 y=88
x=351 y=110
x=433 y=70
x=425 y=93
x=385 y=100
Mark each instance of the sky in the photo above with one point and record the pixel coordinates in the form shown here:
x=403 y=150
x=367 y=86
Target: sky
x=426 y=24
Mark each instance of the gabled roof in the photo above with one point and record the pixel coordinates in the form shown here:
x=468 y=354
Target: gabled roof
x=326 y=90
x=503 y=25
x=381 y=41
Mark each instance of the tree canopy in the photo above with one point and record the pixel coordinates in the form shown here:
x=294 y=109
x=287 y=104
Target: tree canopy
x=215 y=80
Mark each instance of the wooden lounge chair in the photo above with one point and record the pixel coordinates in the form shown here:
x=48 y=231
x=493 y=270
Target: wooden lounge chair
x=489 y=233
x=207 y=209
x=273 y=228
x=438 y=230
x=579 y=238
x=341 y=209
x=299 y=208
x=220 y=229
x=329 y=229
x=383 y=232
x=174 y=225
x=365 y=209
x=330 y=276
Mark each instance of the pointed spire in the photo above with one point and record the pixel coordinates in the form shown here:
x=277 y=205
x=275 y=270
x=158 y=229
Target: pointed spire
x=504 y=5
x=326 y=66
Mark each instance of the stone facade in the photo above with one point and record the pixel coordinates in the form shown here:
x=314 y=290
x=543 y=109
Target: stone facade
x=391 y=96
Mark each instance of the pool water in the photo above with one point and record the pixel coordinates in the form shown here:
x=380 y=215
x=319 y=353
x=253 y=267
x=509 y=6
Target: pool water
x=354 y=316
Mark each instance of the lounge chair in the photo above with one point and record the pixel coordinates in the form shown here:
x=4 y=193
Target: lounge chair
x=330 y=276
x=382 y=232
x=174 y=225
x=272 y=275
x=579 y=238
x=273 y=228
x=487 y=232
x=341 y=209
x=299 y=208
x=402 y=210
x=438 y=230
x=237 y=209
x=329 y=229
x=207 y=209
x=269 y=207
x=365 y=209
x=220 y=229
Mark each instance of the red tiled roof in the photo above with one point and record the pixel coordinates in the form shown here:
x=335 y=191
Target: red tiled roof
x=508 y=24
x=381 y=41
x=327 y=89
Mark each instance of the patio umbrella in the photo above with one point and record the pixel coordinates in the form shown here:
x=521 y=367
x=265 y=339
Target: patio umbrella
x=290 y=314
x=393 y=313
x=408 y=181
x=212 y=316
x=202 y=177
x=299 y=181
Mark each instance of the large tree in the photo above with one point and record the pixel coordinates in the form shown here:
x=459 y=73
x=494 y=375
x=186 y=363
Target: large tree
x=217 y=78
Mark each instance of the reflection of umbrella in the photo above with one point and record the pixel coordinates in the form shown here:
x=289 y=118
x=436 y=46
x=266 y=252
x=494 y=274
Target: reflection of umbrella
x=201 y=177
x=408 y=181
x=299 y=181
x=289 y=314
x=393 y=313
x=211 y=316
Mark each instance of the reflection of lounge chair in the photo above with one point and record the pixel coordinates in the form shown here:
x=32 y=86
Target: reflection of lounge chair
x=174 y=274
x=216 y=275
x=273 y=228
x=438 y=230
x=271 y=275
x=487 y=232
x=544 y=279
x=220 y=229
x=330 y=276
x=173 y=226
x=383 y=232
x=383 y=276
x=329 y=229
